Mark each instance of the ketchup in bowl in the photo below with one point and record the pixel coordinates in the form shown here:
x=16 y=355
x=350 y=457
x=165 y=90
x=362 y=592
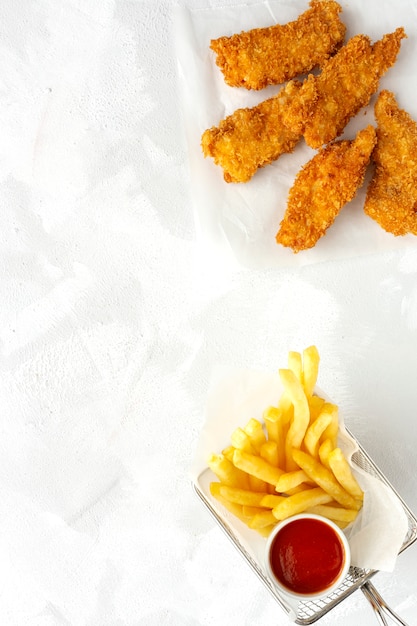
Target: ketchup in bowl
x=307 y=555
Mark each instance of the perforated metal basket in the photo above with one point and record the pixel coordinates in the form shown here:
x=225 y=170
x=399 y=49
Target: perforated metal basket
x=310 y=611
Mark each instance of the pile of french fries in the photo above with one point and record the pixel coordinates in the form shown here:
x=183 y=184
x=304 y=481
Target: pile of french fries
x=290 y=462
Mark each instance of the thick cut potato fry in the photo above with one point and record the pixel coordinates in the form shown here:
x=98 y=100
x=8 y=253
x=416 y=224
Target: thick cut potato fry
x=324 y=451
x=311 y=361
x=332 y=429
x=226 y=472
x=262 y=519
x=256 y=466
x=299 y=502
x=301 y=418
x=235 y=495
x=336 y=513
x=265 y=532
x=277 y=428
x=235 y=509
x=342 y=471
x=269 y=452
x=342 y=525
x=290 y=480
x=295 y=363
x=271 y=500
x=316 y=429
x=286 y=407
x=272 y=419
x=256 y=484
x=251 y=511
x=316 y=404
x=255 y=431
x=325 y=479
x=242 y=441
x=299 y=488
x=228 y=453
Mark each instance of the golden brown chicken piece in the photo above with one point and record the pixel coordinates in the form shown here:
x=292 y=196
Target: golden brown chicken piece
x=323 y=105
x=322 y=187
x=391 y=197
x=273 y=55
x=249 y=139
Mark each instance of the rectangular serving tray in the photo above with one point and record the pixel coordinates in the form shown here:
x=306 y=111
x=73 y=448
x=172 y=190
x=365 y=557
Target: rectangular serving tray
x=307 y=612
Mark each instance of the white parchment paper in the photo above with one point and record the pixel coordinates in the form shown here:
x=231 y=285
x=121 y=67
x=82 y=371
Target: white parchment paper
x=377 y=534
x=237 y=222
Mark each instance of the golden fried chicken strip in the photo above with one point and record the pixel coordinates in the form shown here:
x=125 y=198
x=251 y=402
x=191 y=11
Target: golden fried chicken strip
x=322 y=107
x=322 y=187
x=269 y=56
x=391 y=197
x=249 y=139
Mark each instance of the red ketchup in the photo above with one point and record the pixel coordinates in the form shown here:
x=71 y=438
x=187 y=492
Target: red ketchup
x=307 y=556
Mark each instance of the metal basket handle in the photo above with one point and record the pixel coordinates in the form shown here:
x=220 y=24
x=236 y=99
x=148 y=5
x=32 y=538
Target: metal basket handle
x=380 y=606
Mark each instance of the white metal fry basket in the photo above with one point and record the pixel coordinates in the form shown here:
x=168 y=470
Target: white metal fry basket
x=310 y=611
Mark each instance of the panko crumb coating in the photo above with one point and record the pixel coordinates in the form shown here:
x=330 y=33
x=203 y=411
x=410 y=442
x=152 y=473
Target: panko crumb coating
x=391 y=198
x=250 y=138
x=325 y=103
x=269 y=56
x=322 y=188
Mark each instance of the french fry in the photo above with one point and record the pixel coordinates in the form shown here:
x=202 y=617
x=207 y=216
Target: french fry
x=289 y=462
x=244 y=497
x=324 y=479
x=295 y=364
x=324 y=451
x=256 y=484
x=226 y=472
x=316 y=429
x=271 y=500
x=235 y=509
x=276 y=426
x=286 y=408
x=265 y=532
x=332 y=429
x=299 y=488
x=301 y=418
x=228 y=453
x=290 y=480
x=336 y=513
x=316 y=404
x=299 y=502
x=272 y=421
x=342 y=525
x=255 y=432
x=256 y=466
x=262 y=519
x=269 y=452
x=241 y=440
x=311 y=361
x=343 y=473
x=251 y=511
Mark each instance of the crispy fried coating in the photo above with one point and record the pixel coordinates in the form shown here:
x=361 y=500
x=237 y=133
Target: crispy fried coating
x=322 y=187
x=322 y=107
x=250 y=138
x=391 y=197
x=270 y=56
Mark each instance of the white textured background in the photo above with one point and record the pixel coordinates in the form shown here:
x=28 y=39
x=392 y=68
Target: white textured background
x=109 y=331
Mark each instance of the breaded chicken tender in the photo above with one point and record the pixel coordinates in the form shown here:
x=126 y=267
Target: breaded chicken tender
x=322 y=187
x=324 y=104
x=391 y=197
x=269 y=56
x=249 y=139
